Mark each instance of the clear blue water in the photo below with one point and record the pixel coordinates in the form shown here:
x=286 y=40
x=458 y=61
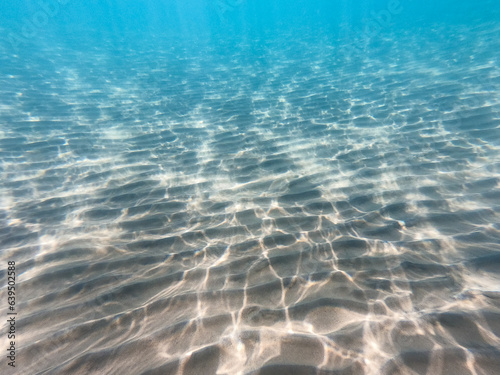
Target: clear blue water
x=251 y=187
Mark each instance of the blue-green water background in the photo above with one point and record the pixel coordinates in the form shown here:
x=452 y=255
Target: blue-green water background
x=213 y=21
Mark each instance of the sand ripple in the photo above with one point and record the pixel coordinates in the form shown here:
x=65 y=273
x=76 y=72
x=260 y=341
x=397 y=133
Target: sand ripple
x=284 y=211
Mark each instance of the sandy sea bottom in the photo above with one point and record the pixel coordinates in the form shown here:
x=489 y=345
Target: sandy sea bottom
x=282 y=209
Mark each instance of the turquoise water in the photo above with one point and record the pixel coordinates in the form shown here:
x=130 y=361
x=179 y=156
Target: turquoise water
x=250 y=187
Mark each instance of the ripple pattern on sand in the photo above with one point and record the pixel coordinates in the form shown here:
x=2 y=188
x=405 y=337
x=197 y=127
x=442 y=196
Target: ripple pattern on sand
x=283 y=210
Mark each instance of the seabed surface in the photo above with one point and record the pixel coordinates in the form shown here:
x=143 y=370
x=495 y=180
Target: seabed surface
x=292 y=209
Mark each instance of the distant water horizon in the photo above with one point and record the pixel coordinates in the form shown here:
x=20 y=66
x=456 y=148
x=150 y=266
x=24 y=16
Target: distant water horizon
x=247 y=188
